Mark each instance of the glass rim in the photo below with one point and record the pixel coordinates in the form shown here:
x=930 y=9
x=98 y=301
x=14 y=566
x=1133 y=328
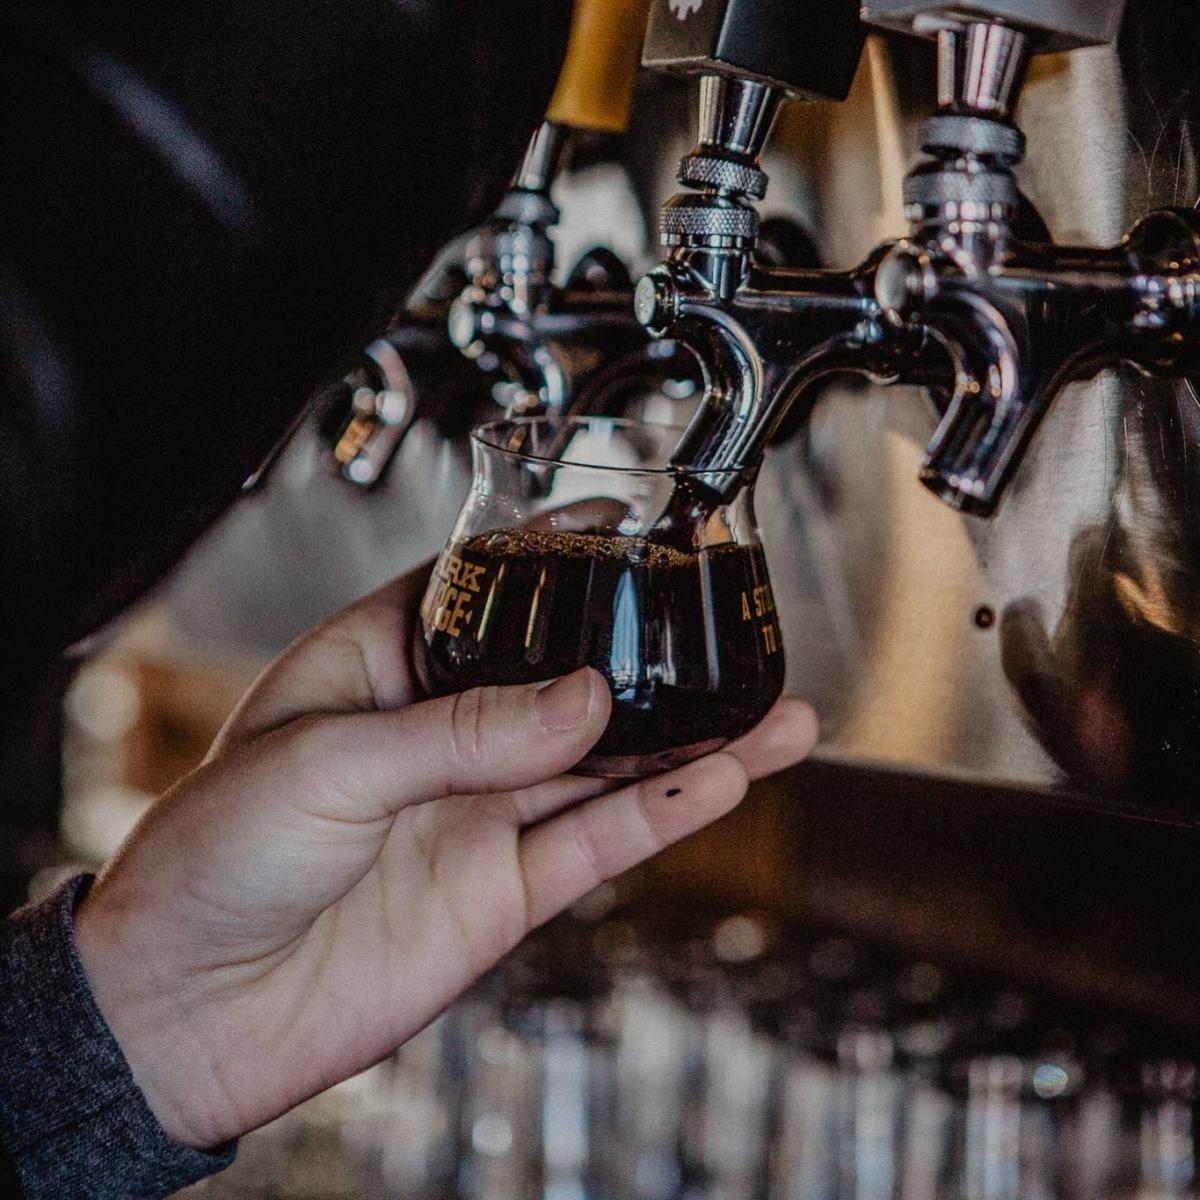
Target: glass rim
x=478 y=439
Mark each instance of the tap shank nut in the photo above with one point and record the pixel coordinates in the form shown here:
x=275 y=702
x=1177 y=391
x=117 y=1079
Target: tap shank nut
x=655 y=302
x=904 y=281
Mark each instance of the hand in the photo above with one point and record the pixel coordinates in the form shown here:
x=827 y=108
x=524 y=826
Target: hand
x=347 y=861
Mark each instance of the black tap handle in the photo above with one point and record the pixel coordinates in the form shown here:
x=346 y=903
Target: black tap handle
x=808 y=48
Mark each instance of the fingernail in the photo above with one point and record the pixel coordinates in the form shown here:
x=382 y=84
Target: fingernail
x=566 y=703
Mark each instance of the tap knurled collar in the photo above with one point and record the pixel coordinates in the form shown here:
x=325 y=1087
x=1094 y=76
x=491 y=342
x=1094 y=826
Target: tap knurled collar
x=961 y=187
x=973 y=135
x=708 y=221
x=725 y=173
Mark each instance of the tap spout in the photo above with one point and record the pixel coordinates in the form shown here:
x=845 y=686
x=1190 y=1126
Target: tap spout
x=764 y=348
x=1035 y=319
x=989 y=416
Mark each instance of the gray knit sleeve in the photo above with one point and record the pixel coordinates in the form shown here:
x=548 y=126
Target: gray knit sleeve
x=72 y=1121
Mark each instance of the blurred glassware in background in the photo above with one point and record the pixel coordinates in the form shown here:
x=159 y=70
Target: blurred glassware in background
x=635 y=1054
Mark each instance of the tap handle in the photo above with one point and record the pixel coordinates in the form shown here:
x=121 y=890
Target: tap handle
x=806 y=48
x=595 y=89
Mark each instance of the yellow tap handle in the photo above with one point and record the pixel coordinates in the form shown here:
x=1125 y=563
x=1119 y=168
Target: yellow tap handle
x=595 y=88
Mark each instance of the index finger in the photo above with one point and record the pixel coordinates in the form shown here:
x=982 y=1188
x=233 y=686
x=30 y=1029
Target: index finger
x=357 y=661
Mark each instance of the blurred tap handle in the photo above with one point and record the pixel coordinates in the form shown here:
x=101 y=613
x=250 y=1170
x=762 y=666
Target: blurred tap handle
x=595 y=89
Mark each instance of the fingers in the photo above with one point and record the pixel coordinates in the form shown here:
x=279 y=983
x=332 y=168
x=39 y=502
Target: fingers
x=784 y=736
x=358 y=660
x=530 y=805
x=781 y=739
x=366 y=766
x=568 y=855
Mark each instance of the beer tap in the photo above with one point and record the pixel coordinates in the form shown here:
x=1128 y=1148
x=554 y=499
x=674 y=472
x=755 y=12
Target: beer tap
x=549 y=346
x=490 y=318
x=763 y=335
x=1018 y=319
x=993 y=324
x=575 y=346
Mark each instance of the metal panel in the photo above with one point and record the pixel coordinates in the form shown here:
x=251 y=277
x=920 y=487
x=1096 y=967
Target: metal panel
x=1057 y=645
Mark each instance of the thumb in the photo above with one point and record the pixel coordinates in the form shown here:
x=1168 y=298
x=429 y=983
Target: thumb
x=489 y=739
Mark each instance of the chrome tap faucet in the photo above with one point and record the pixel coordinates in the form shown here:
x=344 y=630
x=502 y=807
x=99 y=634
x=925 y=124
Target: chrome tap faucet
x=573 y=346
x=1018 y=317
x=757 y=332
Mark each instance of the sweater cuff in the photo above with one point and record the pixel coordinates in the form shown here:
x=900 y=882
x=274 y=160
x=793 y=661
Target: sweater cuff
x=72 y=1120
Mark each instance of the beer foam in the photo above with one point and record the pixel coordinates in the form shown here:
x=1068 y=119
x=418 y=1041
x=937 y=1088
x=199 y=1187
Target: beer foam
x=537 y=543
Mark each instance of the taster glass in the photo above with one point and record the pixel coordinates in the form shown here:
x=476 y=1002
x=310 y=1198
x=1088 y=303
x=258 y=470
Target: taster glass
x=577 y=544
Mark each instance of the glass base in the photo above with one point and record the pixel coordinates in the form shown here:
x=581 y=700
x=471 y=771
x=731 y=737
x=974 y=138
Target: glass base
x=634 y=766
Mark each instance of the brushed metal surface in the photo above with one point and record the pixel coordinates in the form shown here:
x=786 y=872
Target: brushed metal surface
x=1054 y=646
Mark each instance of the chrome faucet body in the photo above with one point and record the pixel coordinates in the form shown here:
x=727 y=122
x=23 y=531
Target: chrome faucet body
x=763 y=336
x=574 y=346
x=1018 y=319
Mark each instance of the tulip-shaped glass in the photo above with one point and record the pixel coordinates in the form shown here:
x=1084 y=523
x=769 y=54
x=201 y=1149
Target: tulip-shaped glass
x=579 y=544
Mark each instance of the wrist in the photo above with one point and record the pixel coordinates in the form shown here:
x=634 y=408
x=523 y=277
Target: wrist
x=151 y=1023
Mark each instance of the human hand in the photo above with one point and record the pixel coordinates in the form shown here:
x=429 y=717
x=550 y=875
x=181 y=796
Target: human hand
x=349 y=858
